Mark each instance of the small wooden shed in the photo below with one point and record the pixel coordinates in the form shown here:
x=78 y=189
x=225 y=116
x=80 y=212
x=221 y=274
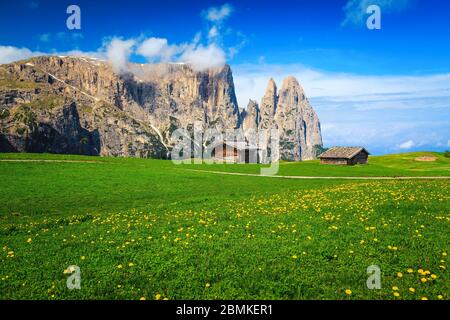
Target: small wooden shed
x=236 y=152
x=345 y=156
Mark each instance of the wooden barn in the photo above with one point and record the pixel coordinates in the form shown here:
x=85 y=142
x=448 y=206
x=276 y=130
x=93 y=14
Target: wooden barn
x=345 y=156
x=236 y=152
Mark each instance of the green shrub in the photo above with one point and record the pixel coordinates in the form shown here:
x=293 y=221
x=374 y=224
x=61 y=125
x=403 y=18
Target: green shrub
x=4 y=113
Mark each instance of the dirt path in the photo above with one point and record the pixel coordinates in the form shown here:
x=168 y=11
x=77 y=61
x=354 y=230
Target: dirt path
x=325 y=178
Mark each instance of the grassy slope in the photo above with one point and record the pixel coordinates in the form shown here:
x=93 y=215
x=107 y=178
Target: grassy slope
x=247 y=237
x=117 y=184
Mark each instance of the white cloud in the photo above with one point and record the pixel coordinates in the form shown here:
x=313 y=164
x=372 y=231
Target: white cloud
x=218 y=14
x=157 y=49
x=198 y=56
x=118 y=52
x=202 y=58
x=215 y=17
x=232 y=51
x=355 y=10
x=9 y=54
x=352 y=90
x=213 y=33
x=407 y=145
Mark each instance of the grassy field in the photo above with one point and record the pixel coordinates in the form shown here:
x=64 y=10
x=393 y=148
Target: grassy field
x=149 y=229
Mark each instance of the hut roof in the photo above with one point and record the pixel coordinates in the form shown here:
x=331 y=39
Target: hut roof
x=240 y=145
x=342 y=152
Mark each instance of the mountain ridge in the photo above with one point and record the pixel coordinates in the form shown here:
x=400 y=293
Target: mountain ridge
x=66 y=104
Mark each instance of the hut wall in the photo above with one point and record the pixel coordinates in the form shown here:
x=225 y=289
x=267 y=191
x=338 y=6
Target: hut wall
x=333 y=161
x=360 y=158
x=226 y=153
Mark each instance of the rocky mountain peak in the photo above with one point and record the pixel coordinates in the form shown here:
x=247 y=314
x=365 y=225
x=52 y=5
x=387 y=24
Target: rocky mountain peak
x=251 y=116
x=290 y=112
x=271 y=86
x=290 y=81
x=268 y=104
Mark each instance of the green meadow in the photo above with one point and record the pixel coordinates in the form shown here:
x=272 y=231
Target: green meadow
x=150 y=229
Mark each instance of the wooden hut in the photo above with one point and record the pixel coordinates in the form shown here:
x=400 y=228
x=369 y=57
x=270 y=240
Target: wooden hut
x=236 y=152
x=344 y=156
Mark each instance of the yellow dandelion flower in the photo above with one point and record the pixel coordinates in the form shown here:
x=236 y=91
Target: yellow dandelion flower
x=395 y=288
x=396 y=294
x=423 y=280
x=131 y=264
x=294 y=257
x=29 y=240
x=412 y=290
x=157 y=296
x=440 y=297
x=444 y=254
x=119 y=266
x=208 y=285
x=410 y=270
x=142 y=298
x=348 y=292
x=399 y=274
x=424 y=298
x=433 y=276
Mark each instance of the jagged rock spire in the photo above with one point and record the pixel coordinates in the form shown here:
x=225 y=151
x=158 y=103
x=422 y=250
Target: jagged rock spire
x=290 y=111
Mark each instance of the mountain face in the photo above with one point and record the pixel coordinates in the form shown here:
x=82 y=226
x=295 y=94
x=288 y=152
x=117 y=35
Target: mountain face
x=291 y=113
x=81 y=106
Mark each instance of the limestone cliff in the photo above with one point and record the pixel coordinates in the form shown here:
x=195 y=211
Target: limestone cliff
x=132 y=114
x=291 y=113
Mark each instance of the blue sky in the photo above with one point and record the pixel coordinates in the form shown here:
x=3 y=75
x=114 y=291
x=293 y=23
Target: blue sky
x=387 y=89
